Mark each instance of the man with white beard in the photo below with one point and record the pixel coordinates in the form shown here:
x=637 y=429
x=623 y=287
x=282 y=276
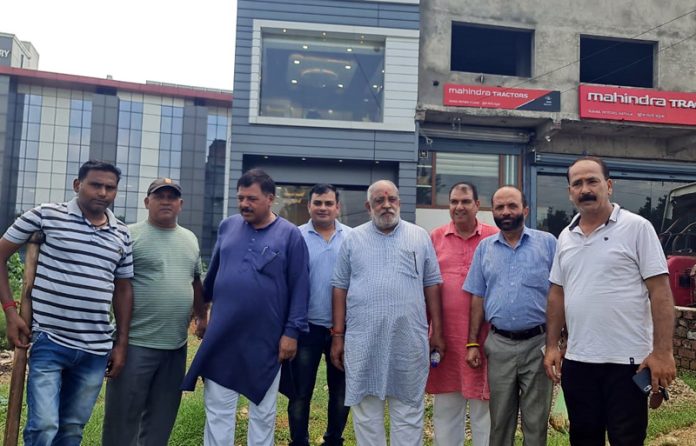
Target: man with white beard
x=385 y=286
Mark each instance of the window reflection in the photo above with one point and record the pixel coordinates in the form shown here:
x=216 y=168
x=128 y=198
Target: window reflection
x=291 y=204
x=319 y=76
x=438 y=172
x=643 y=197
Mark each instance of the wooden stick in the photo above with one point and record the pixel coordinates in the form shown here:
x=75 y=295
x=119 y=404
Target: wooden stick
x=19 y=364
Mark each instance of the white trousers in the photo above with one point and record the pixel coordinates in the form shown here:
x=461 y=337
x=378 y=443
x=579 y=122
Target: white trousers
x=449 y=420
x=221 y=415
x=405 y=423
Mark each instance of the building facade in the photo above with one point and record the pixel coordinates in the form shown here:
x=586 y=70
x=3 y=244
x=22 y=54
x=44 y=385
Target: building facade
x=512 y=93
x=325 y=91
x=52 y=123
x=17 y=53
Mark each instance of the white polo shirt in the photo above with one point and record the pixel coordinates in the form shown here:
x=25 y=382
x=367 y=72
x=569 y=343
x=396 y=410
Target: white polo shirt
x=607 y=306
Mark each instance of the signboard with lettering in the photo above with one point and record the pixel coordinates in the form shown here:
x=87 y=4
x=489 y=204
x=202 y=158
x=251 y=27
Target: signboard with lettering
x=637 y=104
x=501 y=97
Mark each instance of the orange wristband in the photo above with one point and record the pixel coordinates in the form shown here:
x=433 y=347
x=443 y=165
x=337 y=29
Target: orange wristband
x=9 y=304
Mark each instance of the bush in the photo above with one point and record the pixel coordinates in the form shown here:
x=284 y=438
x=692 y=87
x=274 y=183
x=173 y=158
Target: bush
x=15 y=271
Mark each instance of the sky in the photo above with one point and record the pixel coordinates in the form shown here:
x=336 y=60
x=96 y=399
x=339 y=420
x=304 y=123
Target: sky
x=173 y=41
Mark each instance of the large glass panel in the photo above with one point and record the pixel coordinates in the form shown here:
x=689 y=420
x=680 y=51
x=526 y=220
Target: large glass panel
x=644 y=197
x=42 y=142
x=481 y=170
x=291 y=204
x=438 y=172
x=554 y=209
x=213 y=206
x=312 y=75
x=424 y=179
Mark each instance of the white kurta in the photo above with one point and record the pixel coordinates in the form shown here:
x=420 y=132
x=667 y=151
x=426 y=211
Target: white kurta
x=386 y=339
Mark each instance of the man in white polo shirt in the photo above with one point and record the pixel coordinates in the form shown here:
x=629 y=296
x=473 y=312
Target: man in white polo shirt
x=609 y=285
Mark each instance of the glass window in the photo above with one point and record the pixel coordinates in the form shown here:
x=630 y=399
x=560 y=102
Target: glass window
x=291 y=204
x=312 y=75
x=493 y=50
x=438 y=172
x=643 y=197
x=616 y=62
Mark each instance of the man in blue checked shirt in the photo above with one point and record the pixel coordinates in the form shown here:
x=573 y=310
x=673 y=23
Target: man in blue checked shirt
x=509 y=281
x=323 y=234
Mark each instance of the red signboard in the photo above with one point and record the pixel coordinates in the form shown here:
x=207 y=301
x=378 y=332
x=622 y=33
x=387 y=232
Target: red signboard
x=637 y=104
x=501 y=97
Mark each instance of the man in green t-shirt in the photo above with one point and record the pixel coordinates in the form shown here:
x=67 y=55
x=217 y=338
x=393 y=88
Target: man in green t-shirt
x=142 y=403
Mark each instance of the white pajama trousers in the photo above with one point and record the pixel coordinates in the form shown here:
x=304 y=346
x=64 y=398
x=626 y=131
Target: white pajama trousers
x=405 y=422
x=449 y=420
x=221 y=415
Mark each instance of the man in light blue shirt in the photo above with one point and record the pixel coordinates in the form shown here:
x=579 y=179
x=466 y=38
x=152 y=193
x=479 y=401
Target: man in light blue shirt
x=509 y=281
x=323 y=234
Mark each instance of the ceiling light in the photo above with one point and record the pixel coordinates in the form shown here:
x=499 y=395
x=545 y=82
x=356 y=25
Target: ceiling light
x=330 y=111
x=285 y=30
x=296 y=62
x=294 y=81
x=350 y=50
x=304 y=47
x=347 y=67
x=340 y=85
x=374 y=86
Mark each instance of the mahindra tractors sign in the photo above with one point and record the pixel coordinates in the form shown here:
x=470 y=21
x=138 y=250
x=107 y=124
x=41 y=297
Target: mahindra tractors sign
x=637 y=104
x=501 y=97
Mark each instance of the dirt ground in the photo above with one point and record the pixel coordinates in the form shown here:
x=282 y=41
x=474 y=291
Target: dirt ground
x=680 y=393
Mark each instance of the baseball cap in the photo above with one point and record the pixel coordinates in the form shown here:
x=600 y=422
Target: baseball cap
x=159 y=183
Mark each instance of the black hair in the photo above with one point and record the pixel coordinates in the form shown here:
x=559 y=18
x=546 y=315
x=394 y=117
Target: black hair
x=322 y=188
x=98 y=165
x=257 y=176
x=596 y=159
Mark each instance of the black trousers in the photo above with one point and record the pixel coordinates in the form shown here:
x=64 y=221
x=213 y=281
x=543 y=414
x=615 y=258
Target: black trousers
x=603 y=399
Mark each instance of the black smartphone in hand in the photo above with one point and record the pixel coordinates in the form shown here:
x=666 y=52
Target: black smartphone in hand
x=643 y=380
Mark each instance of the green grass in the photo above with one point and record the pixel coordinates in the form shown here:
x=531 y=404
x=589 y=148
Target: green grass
x=188 y=430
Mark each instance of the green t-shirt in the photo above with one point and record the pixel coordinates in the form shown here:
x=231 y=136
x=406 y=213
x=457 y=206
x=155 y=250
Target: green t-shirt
x=165 y=262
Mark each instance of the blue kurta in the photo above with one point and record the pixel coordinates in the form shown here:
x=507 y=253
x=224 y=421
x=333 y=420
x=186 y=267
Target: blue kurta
x=258 y=282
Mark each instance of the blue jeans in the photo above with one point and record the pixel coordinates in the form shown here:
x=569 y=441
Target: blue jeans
x=62 y=387
x=310 y=347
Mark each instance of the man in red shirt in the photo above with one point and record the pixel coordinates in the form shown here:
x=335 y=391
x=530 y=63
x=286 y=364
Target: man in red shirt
x=453 y=381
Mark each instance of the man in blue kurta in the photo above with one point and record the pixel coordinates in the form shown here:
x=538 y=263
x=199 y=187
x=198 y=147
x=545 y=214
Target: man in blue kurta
x=386 y=277
x=259 y=286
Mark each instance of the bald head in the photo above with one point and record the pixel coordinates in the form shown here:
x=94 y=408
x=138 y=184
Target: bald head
x=379 y=185
x=384 y=205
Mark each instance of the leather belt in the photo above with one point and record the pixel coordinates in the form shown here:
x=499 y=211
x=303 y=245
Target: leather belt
x=520 y=335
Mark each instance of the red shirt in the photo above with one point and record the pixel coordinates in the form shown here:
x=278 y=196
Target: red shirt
x=454 y=255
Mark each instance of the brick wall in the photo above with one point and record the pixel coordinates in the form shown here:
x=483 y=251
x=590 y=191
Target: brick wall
x=685 y=338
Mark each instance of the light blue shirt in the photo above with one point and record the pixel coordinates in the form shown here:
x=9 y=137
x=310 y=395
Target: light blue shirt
x=322 y=258
x=386 y=339
x=513 y=282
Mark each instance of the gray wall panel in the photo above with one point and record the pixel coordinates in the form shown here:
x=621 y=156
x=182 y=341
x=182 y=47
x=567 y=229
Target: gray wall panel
x=312 y=142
